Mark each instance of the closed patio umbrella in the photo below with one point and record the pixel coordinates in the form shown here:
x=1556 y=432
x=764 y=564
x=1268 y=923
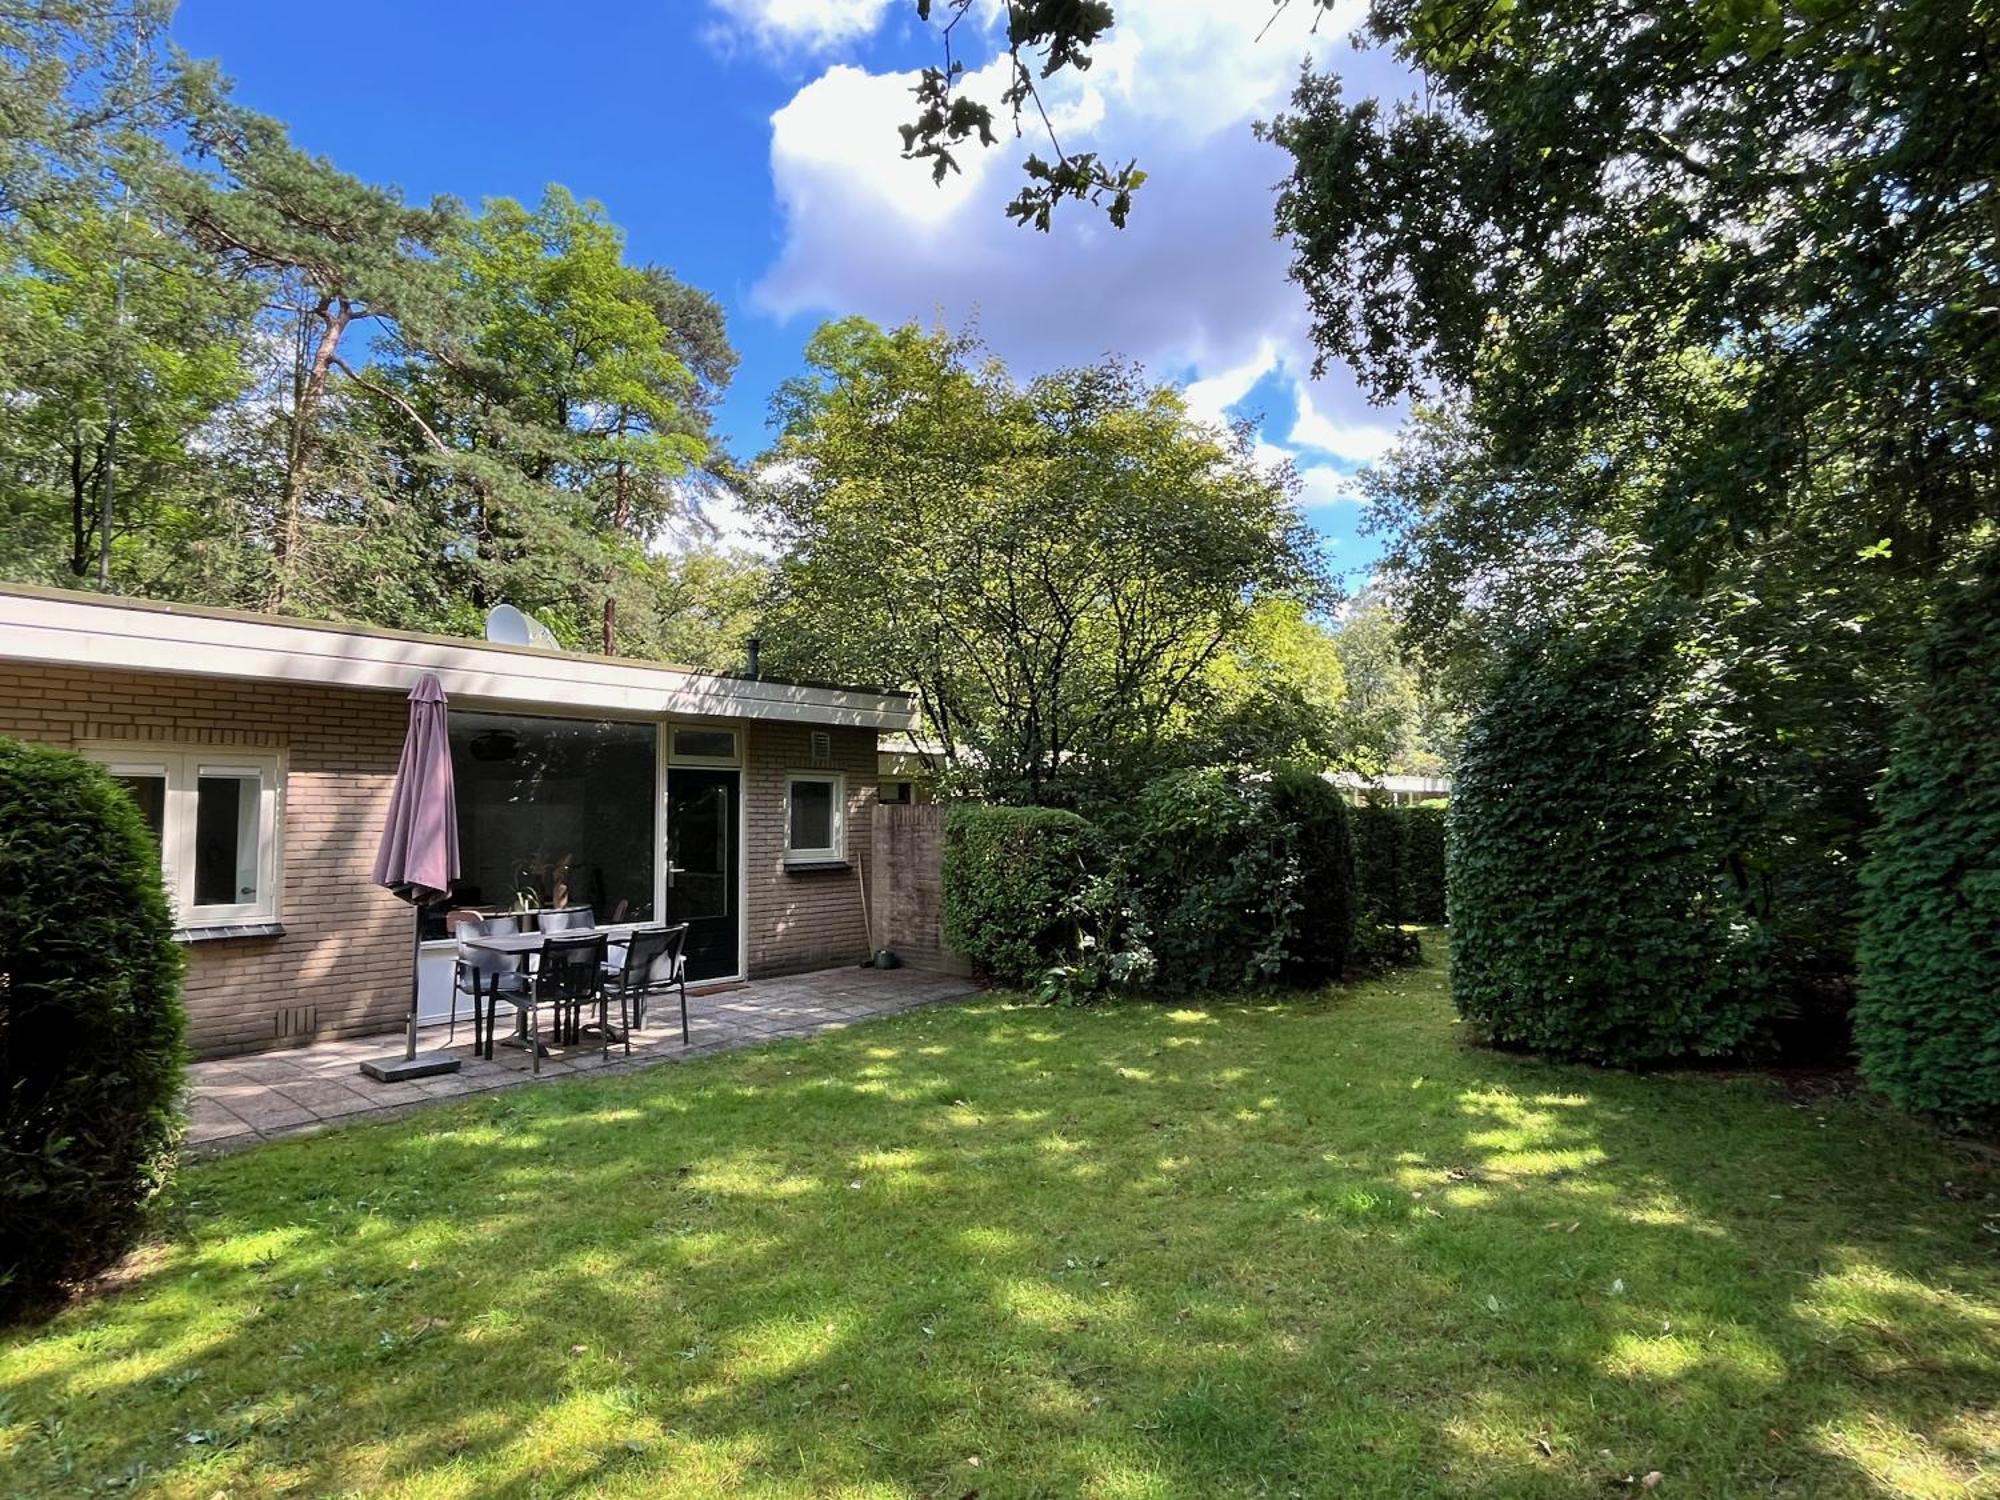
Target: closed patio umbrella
x=418 y=858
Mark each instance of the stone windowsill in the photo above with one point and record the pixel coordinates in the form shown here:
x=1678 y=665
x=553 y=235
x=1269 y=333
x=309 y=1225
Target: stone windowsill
x=210 y=932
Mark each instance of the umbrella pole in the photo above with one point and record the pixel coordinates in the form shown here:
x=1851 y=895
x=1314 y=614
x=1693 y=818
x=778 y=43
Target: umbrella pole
x=409 y=1065
x=416 y=971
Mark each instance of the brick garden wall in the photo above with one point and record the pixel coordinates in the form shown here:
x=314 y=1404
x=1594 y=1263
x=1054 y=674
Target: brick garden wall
x=345 y=955
x=909 y=891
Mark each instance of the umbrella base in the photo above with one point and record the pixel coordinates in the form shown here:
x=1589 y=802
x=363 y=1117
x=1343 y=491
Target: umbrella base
x=402 y=1069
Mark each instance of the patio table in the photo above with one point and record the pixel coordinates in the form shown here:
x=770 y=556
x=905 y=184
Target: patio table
x=513 y=945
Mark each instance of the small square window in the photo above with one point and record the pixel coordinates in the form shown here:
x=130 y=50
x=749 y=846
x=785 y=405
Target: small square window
x=815 y=818
x=215 y=818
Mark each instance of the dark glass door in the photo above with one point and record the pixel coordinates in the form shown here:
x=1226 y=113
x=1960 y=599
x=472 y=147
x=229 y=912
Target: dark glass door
x=702 y=867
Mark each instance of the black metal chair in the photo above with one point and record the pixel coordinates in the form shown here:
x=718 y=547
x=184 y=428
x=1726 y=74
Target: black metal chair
x=565 y=918
x=474 y=971
x=569 y=975
x=654 y=961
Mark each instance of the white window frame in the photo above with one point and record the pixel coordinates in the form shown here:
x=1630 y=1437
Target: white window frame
x=837 y=781
x=675 y=758
x=182 y=767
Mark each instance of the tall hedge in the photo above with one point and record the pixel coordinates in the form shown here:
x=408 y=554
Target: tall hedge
x=1399 y=863
x=1592 y=906
x=1242 y=879
x=1381 y=885
x=90 y=1023
x=1423 y=864
x=1928 y=1019
x=1013 y=881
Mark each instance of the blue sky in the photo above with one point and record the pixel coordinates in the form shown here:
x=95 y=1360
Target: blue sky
x=749 y=145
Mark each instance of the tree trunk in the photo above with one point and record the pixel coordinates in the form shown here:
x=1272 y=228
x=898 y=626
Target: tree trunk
x=621 y=511
x=79 y=513
x=334 y=314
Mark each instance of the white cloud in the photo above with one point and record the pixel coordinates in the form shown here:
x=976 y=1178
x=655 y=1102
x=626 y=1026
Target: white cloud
x=799 y=27
x=1196 y=284
x=1322 y=486
x=714 y=516
x=1211 y=397
x=1357 y=442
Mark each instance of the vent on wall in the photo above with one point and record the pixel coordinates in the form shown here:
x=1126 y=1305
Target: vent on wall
x=295 y=1020
x=822 y=749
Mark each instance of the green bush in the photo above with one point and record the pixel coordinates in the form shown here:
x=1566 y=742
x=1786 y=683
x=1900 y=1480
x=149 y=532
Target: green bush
x=1381 y=889
x=1593 y=908
x=90 y=1023
x=1015 y=880
x=1423 y=864
x=1928 y=1018
x=1242 y=879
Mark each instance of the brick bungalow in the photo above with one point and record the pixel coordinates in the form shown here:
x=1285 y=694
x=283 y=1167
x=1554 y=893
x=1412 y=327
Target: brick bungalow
x=262 y=749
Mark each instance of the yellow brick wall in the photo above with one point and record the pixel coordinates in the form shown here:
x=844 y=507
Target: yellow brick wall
x=345 y=953
x=803 y=921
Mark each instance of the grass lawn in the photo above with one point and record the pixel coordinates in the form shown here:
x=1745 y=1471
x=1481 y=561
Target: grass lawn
x=1314 y=1248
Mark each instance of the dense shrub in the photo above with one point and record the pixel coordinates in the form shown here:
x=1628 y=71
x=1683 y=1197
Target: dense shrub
x=1423 y=864
x=1594 y=909
x=1399 y=877
x=1242 y=879
x=1928 y=1020
x=1015 y=881
x=90 y=1022
x=1381 y=886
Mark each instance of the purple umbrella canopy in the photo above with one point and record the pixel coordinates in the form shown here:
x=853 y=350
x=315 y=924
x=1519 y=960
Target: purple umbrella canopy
x=418 y=859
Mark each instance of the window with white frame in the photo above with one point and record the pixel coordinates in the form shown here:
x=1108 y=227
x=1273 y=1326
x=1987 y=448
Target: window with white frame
x=815 y=817
x=215 y=815
x=701 y=745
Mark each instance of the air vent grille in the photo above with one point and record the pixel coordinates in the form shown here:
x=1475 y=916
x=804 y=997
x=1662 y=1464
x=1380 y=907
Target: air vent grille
x=295 y=1020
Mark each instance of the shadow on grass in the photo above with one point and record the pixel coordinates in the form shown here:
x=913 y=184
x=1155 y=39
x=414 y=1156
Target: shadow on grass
x=1312 y=1247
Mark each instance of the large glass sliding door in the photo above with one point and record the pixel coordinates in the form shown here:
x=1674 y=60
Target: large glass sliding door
x=555 y=812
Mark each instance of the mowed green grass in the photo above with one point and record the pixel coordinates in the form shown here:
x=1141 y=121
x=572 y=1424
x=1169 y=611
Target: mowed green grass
x=1318 y=1247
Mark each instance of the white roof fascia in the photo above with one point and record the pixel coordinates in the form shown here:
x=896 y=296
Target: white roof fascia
x=45 y=627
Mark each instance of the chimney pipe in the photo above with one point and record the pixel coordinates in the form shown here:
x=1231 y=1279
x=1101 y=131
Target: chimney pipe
x=756 y=646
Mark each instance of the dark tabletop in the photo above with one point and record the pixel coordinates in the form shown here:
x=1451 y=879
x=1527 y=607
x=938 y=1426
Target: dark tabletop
x=531 y=942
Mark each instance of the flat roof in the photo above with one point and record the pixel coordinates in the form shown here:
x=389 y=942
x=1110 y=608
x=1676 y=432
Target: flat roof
x=64 y=627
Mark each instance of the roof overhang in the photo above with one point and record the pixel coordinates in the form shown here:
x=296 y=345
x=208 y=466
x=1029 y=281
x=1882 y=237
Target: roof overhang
x=58 y=628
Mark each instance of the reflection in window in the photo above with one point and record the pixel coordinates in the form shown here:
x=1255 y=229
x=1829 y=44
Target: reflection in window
x=225 y=839
x=150 y=793
x=812 y=823
x=553 y=812
x=705 y=744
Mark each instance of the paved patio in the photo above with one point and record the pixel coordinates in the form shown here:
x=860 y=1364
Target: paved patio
x=238 y=1101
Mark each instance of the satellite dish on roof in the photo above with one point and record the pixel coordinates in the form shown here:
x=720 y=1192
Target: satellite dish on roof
x=507 y=626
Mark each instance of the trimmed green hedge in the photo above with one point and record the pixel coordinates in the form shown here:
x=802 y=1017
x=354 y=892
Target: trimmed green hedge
x=90 y=1023
x=1423 y=864
x=1928 y=1018
x=1242 y=879
x=1014 y=882
x=1399 y=876
x=1588 y=856
x=1381 y=885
